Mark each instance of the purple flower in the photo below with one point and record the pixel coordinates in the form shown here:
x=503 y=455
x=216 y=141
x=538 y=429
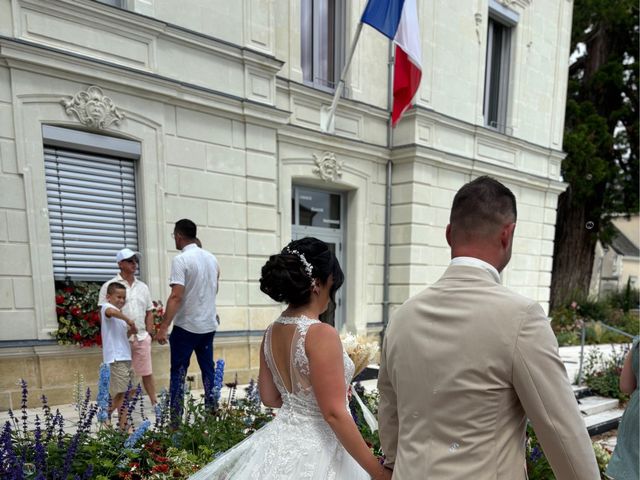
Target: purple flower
x=10 y=464
x=25 y=394
x=40 y=455
x=536 y=453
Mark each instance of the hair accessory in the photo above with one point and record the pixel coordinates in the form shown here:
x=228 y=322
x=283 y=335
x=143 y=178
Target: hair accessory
x=308 y=268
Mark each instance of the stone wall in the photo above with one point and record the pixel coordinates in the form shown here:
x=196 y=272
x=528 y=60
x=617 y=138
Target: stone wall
x=227 y=128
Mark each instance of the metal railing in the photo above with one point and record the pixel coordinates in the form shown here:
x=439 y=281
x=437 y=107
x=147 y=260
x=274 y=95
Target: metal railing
x=583 y=335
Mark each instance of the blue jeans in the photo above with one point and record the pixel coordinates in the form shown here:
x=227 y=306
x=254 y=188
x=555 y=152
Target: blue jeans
x=183 y=343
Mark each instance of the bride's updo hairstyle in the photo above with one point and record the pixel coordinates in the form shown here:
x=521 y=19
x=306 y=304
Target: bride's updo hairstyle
x=289 y=276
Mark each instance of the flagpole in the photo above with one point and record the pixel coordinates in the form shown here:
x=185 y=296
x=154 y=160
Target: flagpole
x=326 y=117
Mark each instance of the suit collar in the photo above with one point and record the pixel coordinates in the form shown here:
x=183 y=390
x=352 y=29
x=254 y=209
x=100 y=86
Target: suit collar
x=469 y=272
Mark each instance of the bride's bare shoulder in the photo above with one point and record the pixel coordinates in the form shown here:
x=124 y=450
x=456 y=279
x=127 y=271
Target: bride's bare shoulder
x=322 y=334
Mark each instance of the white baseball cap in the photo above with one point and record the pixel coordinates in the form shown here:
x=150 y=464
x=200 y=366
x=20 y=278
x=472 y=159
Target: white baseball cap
x=125 y=254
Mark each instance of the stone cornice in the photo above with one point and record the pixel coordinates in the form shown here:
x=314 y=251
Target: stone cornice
x=438 y=158
x=47 y=60
x=143 y=25
x=421 y=113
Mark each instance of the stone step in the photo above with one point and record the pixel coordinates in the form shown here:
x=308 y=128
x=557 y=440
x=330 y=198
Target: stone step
x=603 y=421
x=593 y=404
x=580 y=391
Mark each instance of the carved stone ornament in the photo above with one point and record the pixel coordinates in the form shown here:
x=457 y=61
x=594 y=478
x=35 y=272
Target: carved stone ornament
x=478 y=18
x=93 y=108
x=328 y=168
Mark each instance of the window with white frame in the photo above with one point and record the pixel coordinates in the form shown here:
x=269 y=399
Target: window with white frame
x=91 y=197
x=322 y=35
x=498 y=62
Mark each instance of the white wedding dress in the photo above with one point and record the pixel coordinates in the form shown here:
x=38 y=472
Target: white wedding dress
x=297 y=444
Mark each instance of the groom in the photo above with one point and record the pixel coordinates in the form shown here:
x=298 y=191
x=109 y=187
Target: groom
x=466 y=361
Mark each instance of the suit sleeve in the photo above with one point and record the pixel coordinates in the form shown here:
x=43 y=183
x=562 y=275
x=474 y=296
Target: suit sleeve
x=387 y=412
x=541 y=383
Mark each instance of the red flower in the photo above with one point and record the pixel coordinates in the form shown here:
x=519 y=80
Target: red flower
x=75 y=311
x=61 y=311
x=68 y=289
x=59 y=299
x=98 y=339
x=160 y=468
x=77 y=337
x=94 y=318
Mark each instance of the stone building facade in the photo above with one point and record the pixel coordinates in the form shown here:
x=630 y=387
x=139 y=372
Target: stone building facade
x=215 y=107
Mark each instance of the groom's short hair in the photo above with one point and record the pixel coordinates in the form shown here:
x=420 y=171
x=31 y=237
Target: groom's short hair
x=481 y=206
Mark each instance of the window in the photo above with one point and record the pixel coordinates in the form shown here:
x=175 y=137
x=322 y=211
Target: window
x=114 y=3
x=317 y=209
x=91 y=198
x=496 y=88
x=322 y=33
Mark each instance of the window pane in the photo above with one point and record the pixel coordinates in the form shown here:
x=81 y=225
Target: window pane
x=321 y=31
x=497 y=75
x=306 y=35
x=319 y=209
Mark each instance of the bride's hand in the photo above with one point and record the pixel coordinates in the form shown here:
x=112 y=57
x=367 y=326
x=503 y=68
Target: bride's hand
x=384 y=474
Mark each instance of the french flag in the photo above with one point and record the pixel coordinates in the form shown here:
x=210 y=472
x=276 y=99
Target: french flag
x=398 y=20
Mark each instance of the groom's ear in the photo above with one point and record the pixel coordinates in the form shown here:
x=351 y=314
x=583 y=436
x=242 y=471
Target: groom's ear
x=447 y=234
x=506 y=235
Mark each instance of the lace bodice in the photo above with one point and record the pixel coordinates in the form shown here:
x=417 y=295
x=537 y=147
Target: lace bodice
x=298 y=443
x=301 y=398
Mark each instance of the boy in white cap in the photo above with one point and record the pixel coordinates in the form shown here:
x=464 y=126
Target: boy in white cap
x=139 y=308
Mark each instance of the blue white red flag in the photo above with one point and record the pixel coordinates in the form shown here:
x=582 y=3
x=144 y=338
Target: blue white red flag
x=398 y=20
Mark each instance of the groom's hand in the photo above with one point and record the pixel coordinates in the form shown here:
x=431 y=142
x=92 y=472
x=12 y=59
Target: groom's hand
x=162 y=335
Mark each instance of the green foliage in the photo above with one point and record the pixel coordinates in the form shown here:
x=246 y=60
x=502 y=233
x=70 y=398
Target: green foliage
x=601 y=133
x=567 y=319
x=600 y=138
x=602 y=372
x=626 y=299
x=538 y=467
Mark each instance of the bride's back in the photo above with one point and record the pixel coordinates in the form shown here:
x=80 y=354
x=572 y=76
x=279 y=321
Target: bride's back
x=286 y=355
x=282 y=338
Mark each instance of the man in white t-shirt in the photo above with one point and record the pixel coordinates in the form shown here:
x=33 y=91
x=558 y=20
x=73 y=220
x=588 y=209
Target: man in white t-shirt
x=192 y=308
x=139 y=308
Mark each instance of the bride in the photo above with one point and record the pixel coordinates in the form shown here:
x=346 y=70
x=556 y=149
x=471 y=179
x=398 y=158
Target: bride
x=305 y=373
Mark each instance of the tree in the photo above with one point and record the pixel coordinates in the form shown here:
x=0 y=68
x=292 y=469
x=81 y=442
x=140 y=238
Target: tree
x=601 y=139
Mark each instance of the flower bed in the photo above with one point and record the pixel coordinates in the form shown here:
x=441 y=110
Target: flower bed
x=616 y=310
x=156 y=450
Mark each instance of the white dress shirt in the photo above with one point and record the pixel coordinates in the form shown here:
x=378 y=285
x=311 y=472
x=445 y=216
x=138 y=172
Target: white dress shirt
x=476 y=262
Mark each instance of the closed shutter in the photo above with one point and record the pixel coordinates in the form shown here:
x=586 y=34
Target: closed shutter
x=92 y=212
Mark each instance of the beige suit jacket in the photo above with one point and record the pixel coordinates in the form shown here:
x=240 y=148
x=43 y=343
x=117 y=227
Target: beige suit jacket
x=464 y=363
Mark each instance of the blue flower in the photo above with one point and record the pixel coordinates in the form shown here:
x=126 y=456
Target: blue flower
x=103 y=393
x=253 y=394
x=218 y=380
x=137 y=434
